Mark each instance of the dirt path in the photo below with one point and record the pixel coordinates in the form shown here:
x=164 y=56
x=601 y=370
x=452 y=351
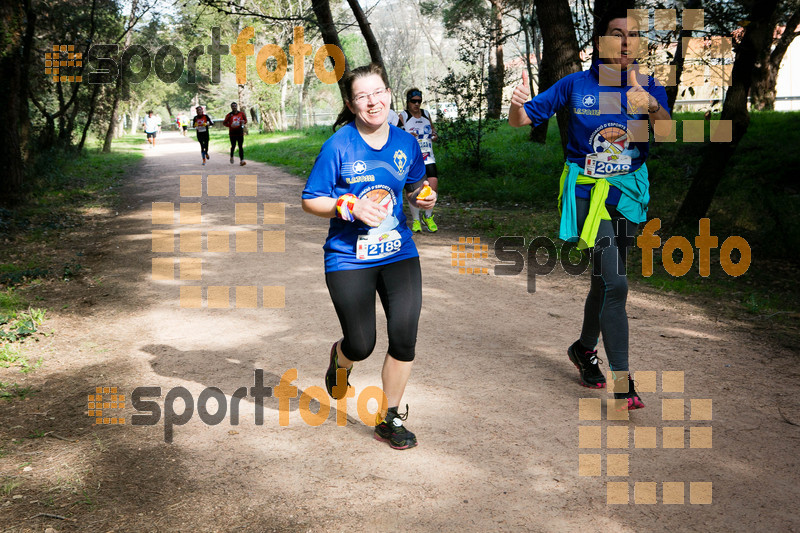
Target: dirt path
x=493 y=399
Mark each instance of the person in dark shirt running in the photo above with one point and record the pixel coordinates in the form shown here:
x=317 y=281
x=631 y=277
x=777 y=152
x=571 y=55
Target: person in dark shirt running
x=235 y=121
x=201 y=122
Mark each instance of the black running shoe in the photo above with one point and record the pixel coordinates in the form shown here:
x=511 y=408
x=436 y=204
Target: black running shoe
x=634 y=402
x=392 y=430
x=588 y=364
x=330 y=376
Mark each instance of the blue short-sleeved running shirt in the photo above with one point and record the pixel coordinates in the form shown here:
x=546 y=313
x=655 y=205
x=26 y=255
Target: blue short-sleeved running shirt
x=598 y=117
x=347 y=164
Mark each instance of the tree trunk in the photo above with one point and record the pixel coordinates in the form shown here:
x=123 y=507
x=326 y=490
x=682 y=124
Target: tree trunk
x=765 y=76
x=273 y=119
x=121 y=126
x=283 y=105
x=757 y=36
x=497 y=72
x=678 y=60
x=301 y=95
x=12 y=21
x=137 y=110
x=369 y=38
x=322 y=10
x=538 y=134
x=118 y=87
x=88 y=125
x=24 y=108
x=67 y=134
x=560 y=54
x=113 y=120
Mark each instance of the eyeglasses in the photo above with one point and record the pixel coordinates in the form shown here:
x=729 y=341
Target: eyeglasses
x=415 y=101
x=377 y=93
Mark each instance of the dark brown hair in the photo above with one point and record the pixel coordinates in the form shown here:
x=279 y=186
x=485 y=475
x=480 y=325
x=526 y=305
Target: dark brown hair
x=615 y=11
x=346 y=115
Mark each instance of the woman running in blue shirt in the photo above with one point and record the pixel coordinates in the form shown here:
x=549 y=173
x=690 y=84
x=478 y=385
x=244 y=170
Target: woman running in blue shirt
x=357 y=181
x=604 y=186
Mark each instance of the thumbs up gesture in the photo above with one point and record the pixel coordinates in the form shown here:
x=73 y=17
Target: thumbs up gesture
x=639 y=100
x=522 y=92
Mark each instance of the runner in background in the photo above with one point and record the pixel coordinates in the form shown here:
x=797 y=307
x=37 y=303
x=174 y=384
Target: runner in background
x=201 y=122
x=394 y=118
x=604 y=186
x=183 y=124
x=152 y=125
x=417 y=122
x=235 y=121
x=358 y=180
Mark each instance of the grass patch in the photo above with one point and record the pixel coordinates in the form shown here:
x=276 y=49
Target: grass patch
x=9 y=485
x=63 y=187
x=15 y=328
x=516 y=172
x=12 y=391
x=294 y=151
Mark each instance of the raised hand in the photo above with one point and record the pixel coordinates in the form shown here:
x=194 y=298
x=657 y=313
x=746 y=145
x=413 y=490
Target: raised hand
x=522 y=92
x=639 y=100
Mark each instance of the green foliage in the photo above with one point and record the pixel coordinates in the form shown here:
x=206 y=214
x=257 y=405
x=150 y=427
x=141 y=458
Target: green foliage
x=15 y=327
x=516 y=171
x=10 y=302
x=355 y=49
x=758 y=198
x=465 y=84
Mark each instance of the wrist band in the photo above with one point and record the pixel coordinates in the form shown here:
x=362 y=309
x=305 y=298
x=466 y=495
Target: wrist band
x=658 y=106
x=344 y=207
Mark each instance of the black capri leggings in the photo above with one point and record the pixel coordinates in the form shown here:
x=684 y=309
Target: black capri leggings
x=202 y=136
x=399 y=285
x=239 y=138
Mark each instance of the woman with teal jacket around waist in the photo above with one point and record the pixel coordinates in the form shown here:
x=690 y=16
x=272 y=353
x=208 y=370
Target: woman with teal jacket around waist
x=604 y=188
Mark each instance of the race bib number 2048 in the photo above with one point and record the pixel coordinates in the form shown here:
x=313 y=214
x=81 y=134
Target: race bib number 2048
x=602 y=165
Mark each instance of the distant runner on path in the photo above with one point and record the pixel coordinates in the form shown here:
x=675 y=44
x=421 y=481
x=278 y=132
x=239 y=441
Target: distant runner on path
x=235 y=121
x=201 y=122
x=152 y=125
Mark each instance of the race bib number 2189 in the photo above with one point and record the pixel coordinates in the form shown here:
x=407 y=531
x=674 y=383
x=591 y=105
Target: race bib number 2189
x=378 y=246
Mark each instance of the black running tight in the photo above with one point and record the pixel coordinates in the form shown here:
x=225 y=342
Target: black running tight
x=237 y=139
x=604 y=310
x=202 y=137
x=399 y=285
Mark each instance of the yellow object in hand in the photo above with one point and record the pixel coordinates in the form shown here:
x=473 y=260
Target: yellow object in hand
x=425 y=192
